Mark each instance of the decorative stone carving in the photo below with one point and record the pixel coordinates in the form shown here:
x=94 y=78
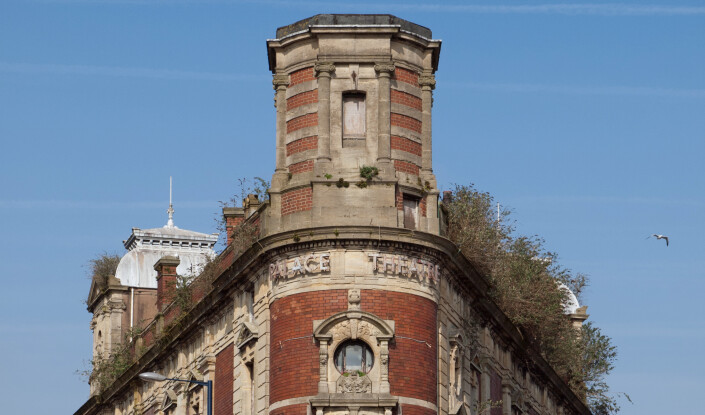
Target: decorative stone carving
x=325 y=67
x=455 y=370
x=246 y=333
x=384 y=67
x=354 y=383
x=427 y=81
x=280 y=80
x=353 y=299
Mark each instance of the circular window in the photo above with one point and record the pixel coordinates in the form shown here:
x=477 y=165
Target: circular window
x=353 y=356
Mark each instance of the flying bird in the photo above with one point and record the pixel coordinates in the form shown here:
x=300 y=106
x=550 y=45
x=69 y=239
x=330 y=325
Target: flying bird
x=657 y=236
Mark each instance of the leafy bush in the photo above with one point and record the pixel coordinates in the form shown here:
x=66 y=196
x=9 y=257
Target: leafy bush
x=102 y=267
x=524 y=281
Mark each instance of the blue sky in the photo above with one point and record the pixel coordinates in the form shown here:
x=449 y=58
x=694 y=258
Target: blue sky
x=586 y=119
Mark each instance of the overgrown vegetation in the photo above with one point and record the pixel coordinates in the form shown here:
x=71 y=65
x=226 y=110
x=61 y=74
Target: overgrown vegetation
x=524 y=281
x=105 y=369
x=102 y=267
x=368 y=172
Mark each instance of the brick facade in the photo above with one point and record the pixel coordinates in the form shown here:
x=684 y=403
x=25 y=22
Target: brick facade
x=302 y=144
x=308 y=97
x=223 y=382
x=406 y=167
x=302 y=167
x=405 y=75
x=292 y=360
x=297 y=200
x=412 y=363
x=308 y=120
x=403 y=98
x=402 y=121
x=495 y=392
x=301 y=76
x=404 y=144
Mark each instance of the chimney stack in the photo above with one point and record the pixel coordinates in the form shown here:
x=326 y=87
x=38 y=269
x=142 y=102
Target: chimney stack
x=166 y=280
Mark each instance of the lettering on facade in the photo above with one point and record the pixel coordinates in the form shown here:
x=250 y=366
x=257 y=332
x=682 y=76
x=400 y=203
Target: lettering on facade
x=299 y=266
x=405 y=266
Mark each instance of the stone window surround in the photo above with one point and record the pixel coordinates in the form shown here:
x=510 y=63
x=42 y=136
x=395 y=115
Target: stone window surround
x=328 y=334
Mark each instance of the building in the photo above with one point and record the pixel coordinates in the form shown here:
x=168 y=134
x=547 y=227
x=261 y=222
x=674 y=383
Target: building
x=340 y=294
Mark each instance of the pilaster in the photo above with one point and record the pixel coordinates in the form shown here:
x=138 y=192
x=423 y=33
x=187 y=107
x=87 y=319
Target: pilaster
x=323 y=71
x=384 y=152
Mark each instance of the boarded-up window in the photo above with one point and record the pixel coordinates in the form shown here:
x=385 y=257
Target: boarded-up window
x=354 y=115
x=411 y=212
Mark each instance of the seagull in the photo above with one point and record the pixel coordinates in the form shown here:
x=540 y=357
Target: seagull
x=657 y=236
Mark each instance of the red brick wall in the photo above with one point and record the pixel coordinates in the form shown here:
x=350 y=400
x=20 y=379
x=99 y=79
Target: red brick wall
x=422 y=206
x=416 y=410
x=308 y=120
x=406 y=167
x=412 y=365
x=405 y=75
x=297 y=200
x=404 y=144
x=302 y=144
x=299 y=409
x=396 y=120
x=223 y=382
x=294 y=363
x=400 y=200
x=301 y=167
x=403 y=98
x=495 y=391
x=303 y=75
x=308 y=97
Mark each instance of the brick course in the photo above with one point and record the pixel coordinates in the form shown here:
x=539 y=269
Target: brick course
x=302 y=144
x=399 y=97
x=495 y=391
x=301 y=76
x=405 y=75
x=300 y=409
x=308 y=120
x=404 y=144
x=297 y=200
x=398 y=120
x=308 y=97
x=301 y=167
x=406 y=167
x=294 y=357
x=223 y=381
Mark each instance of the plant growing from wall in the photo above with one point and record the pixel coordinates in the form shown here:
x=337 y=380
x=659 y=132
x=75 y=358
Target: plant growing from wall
x=368 y=172
x=524 y=283
x=102 y=267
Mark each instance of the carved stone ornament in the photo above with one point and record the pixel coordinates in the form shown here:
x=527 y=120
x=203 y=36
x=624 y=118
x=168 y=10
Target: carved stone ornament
x=246 y=333
x=280 y=80
x=353 y=299
x=427 y=81
x=326 y=67
x=354 y=383
x=384 y=67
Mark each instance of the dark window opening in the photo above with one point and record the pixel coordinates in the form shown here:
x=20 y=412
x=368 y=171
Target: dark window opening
x=353 y=356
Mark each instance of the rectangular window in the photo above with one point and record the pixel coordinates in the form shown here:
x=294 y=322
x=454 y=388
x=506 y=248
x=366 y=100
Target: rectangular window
x=411 y=212
x=250 y=304
x=354 y=126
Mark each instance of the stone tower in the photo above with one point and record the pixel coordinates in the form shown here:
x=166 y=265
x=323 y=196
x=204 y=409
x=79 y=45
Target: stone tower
x=353 y=92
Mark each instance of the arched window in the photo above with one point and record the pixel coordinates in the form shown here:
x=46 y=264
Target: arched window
x=352 y=356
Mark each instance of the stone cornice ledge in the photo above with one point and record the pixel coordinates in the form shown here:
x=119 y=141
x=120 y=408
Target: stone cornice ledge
x=369 y=400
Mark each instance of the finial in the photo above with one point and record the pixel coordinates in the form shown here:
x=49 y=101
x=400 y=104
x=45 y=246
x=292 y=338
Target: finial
x=170 y=211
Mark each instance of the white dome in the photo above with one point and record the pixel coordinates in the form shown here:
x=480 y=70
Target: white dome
x=570 y=305
x=146 y=247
